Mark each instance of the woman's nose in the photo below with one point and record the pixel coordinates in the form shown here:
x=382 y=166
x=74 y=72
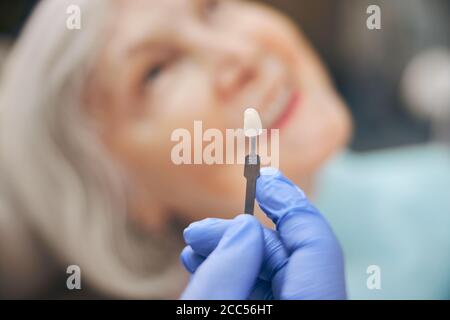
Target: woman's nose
x=235 y=68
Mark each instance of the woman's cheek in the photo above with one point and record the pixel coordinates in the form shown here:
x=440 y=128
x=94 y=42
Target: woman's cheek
x=184 y=90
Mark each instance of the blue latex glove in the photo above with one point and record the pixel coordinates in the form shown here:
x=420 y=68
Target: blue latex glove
x=302 y=259
x=240 y=245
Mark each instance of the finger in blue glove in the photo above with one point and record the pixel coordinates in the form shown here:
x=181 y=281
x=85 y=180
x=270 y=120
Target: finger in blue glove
x=315 y=269
x=241 y=247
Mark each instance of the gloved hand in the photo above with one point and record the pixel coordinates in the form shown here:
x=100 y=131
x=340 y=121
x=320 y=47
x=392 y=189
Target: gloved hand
x=239 y=245
x=302 y=259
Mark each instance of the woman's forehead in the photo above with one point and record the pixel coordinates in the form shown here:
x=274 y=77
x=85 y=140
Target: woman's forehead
x=139 y=20
x=177 y=7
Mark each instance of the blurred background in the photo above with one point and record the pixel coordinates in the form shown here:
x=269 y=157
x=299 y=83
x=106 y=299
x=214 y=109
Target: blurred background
x=377 y=71
x=391 y=190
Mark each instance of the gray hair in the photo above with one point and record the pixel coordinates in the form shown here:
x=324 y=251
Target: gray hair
x=57 y=181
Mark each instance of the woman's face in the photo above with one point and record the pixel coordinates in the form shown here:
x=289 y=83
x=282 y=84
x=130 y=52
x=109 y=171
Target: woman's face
x=168 y=63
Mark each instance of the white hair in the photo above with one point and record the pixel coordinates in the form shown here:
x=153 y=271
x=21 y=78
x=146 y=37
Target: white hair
x=58 y=184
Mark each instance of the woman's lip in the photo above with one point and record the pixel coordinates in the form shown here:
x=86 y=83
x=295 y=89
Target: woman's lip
x=288 y=110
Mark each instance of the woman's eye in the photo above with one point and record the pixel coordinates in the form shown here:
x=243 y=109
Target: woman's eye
x=154 y=72
x=209 y=6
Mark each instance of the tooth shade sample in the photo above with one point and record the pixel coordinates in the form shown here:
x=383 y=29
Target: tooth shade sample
x=252 y=123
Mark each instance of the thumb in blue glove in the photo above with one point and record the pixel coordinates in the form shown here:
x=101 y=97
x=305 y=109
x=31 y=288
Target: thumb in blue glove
x=240 y=248
x=315 y=269
x=302 y=260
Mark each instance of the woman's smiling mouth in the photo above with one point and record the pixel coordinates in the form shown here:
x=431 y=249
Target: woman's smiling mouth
x=277 y=114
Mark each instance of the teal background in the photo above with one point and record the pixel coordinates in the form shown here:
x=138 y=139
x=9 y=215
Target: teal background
x=391 y=208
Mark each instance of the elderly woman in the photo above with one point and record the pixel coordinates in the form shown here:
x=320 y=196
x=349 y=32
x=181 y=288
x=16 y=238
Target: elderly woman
x=85 y=124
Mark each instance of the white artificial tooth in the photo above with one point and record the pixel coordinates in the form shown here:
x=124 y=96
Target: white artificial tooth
x=252 y=123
